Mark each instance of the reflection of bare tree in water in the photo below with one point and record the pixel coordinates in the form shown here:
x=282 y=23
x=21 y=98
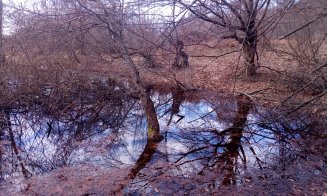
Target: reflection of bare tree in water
x=146 y=156
x=152 y=145
x=231 y=153
x=92 y=118
x=208 y=151
x=226 y=162
x=62 y=124
x=178 y=98
x=6 y=125
x=219 y=149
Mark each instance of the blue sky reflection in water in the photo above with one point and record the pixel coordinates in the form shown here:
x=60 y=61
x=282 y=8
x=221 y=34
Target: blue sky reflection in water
x=109 y=136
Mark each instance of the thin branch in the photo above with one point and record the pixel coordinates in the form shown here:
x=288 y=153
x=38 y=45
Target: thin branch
x=302 y=27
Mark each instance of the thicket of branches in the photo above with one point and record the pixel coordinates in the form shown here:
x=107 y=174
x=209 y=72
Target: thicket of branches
x=61 y=55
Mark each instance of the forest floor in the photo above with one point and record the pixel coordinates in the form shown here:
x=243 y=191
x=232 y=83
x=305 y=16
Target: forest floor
x=221 y=70
x=217 y=66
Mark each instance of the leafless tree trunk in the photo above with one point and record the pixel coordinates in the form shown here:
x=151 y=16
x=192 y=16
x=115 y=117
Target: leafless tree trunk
x=112 y=16
x=181 y=58
x=2 y=55
x=242 y=20
x=1 y=67
x=147 y=103
x=249 y=47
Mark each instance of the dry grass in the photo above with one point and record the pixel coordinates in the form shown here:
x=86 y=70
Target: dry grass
x=218 y=68
x=224 y=73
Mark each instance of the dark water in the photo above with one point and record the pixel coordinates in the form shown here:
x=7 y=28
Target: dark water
x=97 y=144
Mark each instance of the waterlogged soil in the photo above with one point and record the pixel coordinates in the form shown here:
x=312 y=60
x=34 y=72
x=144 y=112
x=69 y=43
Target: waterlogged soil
x=99 y=146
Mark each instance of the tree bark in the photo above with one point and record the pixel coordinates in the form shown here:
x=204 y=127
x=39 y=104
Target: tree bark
x=1 y=65
x=115 y=31
x=249 y=53
x=2 y=56
x=151 y=117
x=147 y=103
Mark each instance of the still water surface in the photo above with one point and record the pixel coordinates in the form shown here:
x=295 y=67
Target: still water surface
x=97 y=144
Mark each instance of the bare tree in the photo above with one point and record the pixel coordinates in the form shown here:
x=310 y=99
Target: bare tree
x=2 y=56
x=99 y=30
x=305 y=34
x=113 y=17
x=1 y=65
x=242 y=20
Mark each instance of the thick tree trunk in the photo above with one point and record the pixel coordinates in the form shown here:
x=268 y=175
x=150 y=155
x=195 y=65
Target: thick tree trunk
x=249 y=43
x=2 y=54
x=147 y=104
x=2 y=130
x=249 y=54
x=151 y=117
